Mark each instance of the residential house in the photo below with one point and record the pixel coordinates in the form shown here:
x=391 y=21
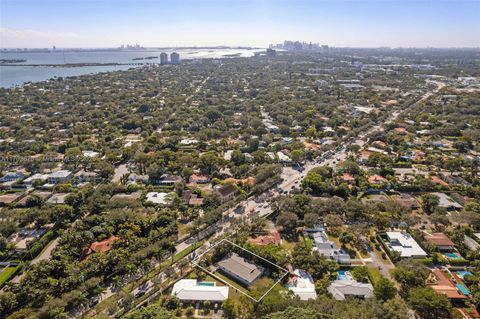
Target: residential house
x=225 y=192
x=59 y=177
x=168 y=180
x=325 y=247
x=441 y=241
x=471 y=243
x=157 y=198
x=58 y=198
x=240 y=269
x=439 y=282
x=101 y=246
x=446 y=202
x=342 y=289
x=406 y=200
x=302 y=285
x=199 y=179
x=12 y=177
x=192 y=290
x=273 y=238
x=29 y=181
x=376 y=180
x=403 y=243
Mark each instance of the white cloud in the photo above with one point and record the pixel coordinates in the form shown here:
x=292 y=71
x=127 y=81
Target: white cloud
x=10 y=38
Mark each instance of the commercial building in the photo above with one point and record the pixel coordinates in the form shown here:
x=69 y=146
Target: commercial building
x=271 y=53
x=163 y=58
x=174 y=58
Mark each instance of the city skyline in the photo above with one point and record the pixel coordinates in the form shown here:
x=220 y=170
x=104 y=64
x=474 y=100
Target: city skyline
x=362 y=23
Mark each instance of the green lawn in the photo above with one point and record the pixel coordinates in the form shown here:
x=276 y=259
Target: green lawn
x=7 y=273
x=374 y=275
x=231 y=282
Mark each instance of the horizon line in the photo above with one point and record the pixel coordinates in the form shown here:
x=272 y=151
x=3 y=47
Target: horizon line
x=232 y=47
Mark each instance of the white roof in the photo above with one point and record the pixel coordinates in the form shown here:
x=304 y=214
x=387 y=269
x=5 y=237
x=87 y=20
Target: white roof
x=228 y=155
x=90 y=153
x=60 y=174
x=36 y=176
x=303 y=286
x=282 y=157
x=405 y=245
x=157 y=198
x=188 y=141
x=188 y=289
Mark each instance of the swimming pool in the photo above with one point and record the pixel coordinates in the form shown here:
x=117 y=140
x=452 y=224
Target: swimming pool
x=463 y=289
x=453 y=255
x=206 y=283
x=463 y=273
x=342 y=275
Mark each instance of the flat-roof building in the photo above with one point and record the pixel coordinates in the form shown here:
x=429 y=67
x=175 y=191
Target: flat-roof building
x=192 y=290
x=405 y=245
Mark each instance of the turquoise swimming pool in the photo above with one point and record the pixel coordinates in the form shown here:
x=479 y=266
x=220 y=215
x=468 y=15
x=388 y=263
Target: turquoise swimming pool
x=463 y=273
x=342 y=275
x=453 y=255
x=206 y=283
x=463 y=289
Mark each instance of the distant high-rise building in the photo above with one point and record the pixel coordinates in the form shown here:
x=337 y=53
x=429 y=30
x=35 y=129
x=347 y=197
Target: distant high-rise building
x=163 y=58
x=174 y=58
x=271 y=53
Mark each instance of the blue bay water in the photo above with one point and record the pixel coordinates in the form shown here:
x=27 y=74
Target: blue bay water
x=17 y=75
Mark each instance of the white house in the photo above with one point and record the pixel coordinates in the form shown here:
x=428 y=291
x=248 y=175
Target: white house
x=302 y=285
x=190 y=289
x=157 y=198
x=405 y=245
x=58 y=177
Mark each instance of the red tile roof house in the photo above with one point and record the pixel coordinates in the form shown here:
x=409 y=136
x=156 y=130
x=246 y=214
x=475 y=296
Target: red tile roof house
x=376 y=179
x=439 y=282
x=273 y=238
x=347 y=178
x=437 y=180
x=400 y=130
x=441 y=241
x=202 y=179
x=101 y=246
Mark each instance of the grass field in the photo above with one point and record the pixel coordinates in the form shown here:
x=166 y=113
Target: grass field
x=6 y=273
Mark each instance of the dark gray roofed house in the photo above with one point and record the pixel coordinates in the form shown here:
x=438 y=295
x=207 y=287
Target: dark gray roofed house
x=240 y=269
x=225 y=192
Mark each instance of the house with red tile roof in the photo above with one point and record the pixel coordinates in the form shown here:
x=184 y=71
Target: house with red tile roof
x=101 y=246
x=441 y=241
x=439 y=282
x=376 y=179
x=347 y=178
x=438 y=181
x=273 y=238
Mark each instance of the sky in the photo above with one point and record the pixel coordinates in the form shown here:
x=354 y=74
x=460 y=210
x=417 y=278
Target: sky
x=154 y=23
